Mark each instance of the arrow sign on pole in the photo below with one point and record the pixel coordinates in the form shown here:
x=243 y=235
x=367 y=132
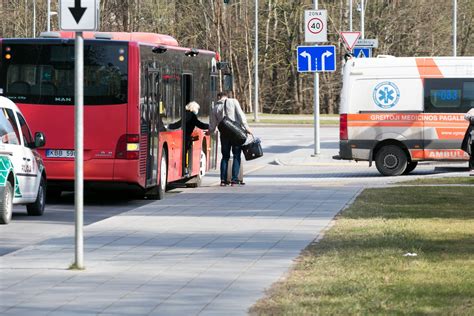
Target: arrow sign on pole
x=316 y=58
x=78 y=15
x=77 y=11
x=350 y=39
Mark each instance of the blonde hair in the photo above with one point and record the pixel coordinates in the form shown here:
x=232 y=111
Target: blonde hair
x=193 y=107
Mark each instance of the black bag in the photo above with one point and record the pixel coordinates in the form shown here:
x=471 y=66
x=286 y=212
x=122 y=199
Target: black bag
x=253 y=149
x=232 y=130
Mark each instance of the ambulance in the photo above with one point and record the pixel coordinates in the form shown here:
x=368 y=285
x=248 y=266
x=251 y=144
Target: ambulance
x=398 y=111
x=22 y=173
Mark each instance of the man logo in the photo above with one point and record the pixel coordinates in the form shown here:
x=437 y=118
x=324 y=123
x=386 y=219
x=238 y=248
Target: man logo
x=386 y=95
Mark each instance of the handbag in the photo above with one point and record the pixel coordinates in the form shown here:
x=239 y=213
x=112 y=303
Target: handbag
x=253 y=149
x=232 y=130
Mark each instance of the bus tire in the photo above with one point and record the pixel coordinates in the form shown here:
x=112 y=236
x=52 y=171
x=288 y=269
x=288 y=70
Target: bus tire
x=391 y=160
x=37 y=207
x=410 y=167
x=196 y=181
x=6 y=204
x=163 y=176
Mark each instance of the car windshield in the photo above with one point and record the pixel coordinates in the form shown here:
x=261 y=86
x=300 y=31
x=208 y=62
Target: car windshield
x=43 y=73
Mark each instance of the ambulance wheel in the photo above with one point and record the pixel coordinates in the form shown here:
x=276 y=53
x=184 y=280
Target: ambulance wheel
x=6 y=204
x=37 y=207
x=391 y=160
x=410 y=167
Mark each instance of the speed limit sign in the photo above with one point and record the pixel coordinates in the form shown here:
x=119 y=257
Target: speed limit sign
x=315 y=26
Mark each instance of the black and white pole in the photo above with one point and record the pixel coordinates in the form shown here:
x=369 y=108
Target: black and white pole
x=79 y=149
x=317 y=145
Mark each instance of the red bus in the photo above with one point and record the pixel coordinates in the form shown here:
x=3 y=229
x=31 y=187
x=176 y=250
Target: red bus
x=135 y=84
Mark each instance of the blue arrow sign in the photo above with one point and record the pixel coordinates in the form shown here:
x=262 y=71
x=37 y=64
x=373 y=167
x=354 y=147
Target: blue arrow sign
x=362 y=52
x=316 y=58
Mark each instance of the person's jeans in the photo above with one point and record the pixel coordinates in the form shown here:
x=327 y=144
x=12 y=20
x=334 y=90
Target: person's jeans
x=226 y=147
x=471 y=158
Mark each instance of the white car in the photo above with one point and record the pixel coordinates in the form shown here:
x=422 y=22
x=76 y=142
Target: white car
x=22 y=173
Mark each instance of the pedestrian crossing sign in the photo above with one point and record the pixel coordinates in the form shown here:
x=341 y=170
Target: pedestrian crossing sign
x=362 y=52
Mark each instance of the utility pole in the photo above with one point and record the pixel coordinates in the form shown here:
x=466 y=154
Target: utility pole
x=255 y=110
x=49 y=16
x=34 y=18
x=455 y=26
x=350 y=15
x=362 y=19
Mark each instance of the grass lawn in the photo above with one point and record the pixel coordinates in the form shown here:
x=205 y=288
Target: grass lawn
x=447 y=180
x=359 y=267
x=304 y=119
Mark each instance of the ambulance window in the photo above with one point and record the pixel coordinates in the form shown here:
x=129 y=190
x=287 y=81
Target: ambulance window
x=448 y=95
x=8 y=128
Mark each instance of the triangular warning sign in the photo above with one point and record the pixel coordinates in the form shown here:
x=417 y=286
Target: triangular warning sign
x=350 y=39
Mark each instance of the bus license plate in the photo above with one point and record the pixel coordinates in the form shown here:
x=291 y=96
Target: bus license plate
x=59 y=153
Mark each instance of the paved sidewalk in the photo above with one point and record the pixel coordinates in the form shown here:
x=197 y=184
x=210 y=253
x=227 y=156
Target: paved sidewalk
x=199 y=252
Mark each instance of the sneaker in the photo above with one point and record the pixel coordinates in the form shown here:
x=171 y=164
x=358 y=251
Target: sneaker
x=224 y=183
x=237 y=183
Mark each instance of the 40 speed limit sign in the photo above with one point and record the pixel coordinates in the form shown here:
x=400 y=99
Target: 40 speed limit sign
x=315 y=22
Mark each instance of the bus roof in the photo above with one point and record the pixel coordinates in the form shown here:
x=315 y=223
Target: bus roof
x=141 y=37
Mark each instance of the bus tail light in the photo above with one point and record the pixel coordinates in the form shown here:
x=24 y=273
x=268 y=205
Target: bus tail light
x=128 y=147
x=343 y=133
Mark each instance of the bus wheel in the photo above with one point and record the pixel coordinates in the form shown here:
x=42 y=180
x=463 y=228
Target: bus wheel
x=162 y=182
x=410 y=167
x=197 y=180
x=37 y=207
x=6 y=204
x=391 y=160
x=158 y=192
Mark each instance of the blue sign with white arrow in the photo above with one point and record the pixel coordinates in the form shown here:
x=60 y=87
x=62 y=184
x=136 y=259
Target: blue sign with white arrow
x=316 y=58
x=362 y=52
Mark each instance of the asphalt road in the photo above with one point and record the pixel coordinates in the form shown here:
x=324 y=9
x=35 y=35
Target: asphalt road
x=287 y=159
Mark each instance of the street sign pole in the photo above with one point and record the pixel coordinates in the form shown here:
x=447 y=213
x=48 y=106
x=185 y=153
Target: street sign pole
x=79 y=142
x=317 y=146
x=79 y=16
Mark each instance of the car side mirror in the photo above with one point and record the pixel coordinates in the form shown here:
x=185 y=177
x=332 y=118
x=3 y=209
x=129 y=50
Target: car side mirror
x=40 y=140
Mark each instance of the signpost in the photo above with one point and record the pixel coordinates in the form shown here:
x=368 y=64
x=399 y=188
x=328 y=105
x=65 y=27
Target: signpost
x=315 y=26
x=315 y=31
x=367 y=42
x=350 y=39
x=79 y=16
x=362 y=52
x=316 y=58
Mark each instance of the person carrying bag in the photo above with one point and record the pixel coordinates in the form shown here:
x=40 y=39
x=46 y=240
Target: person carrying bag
x=468 y=141
x=227 y=117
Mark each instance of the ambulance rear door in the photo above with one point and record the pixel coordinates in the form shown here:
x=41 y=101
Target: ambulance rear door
x=446 y=100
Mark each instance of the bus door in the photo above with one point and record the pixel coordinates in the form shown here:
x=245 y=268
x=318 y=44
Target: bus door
x=187 y=96
x=152 y=119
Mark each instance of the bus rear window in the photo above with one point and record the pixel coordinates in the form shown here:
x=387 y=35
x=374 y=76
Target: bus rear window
x=43 y=73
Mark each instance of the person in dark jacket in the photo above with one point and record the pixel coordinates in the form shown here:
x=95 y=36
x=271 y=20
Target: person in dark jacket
x=192 y=121
x=468 y=141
